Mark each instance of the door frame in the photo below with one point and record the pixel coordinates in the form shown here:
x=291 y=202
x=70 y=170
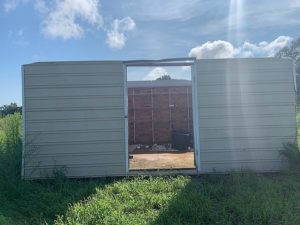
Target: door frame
x=188 y=61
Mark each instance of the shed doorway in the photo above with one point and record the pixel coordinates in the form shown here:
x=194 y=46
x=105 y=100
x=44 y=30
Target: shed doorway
x=159 y=106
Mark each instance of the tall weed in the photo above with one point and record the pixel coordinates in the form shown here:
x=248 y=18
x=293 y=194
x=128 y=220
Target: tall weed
x=11 y=145
x=292 y=154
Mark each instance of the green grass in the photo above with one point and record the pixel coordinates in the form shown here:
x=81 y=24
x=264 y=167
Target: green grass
x=298 y=127
x=245 y=198
x=213 y=199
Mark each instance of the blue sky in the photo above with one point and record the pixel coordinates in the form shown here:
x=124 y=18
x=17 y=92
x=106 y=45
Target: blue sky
x=54 y=30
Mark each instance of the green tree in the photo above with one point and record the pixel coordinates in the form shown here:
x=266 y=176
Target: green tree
x=291 y=51
x=164 y=77
x=9 y=109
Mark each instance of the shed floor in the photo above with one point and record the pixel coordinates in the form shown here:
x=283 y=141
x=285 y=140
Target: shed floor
x=174 y=160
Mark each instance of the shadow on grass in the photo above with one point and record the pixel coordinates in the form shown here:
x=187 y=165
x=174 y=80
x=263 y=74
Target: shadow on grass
x=234 y=199
x=33 y=202
x=38 y=202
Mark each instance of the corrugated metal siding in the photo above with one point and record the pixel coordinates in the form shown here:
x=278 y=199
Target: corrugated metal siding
x=74 y=115
x=246 y=111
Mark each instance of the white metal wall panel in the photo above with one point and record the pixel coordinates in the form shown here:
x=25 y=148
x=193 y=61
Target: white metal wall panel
x=246 y=110
x=74 y=119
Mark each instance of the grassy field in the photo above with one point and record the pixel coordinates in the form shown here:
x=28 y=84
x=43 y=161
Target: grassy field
x=298 y=127
x=245 y=198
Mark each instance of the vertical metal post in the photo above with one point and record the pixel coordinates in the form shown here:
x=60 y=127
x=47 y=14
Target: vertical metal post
x=126 y=117
x=133 y=106
x=152 y=116
x=188 y=108
x=196 y=125
x=170 y=110
x=24 y=125
x=295 y=75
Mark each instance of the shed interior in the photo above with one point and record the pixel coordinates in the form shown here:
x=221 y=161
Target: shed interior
x=160 y=123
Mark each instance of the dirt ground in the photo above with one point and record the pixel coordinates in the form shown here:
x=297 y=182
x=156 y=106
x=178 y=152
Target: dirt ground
x=162 y=161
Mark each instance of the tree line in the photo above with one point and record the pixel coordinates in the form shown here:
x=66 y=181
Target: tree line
x=10 y=109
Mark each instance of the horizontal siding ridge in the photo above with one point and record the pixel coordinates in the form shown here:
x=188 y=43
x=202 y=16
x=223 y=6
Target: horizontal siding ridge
x=78 y=142
x=73 y=86
x=229 y=161
x=217 y=71
x=85 y=119
x=241 y=149
x=77 y=165
x=243 y=83
x=66 y=74
x=243 y=93
x=248 y=116
x=246 y=105
x=79 y=62
x=119 y=130
x=75 y=97
x=161 y=93
x=245 y=138
x=248 y=127
x=60 y=154
x=72 y=109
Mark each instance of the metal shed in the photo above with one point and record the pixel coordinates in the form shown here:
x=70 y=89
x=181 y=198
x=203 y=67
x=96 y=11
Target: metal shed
x=75 y=115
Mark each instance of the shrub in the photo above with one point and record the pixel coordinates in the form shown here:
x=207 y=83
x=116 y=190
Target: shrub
x=292 y=154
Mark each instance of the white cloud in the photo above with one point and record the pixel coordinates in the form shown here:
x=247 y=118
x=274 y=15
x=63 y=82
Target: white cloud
x=212 y=50
x=116 y=35
x=224 y=49
x=18 y=37
x=294 y=3
x=186 y=68
x=155 y=73
x=41 y=6
x=62 y=19
x=10 y=5
x=263 y=48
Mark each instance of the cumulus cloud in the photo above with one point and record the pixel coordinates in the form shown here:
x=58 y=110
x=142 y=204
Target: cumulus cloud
x=224 y=49
x=62 y=19
x=68 y=19
x=155 y=73
x=116 y=35
x=41 y=7
x=212 y=50
x=263 y=48
x=10 y=5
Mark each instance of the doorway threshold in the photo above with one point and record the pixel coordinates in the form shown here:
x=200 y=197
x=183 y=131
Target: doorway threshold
x=163 y=172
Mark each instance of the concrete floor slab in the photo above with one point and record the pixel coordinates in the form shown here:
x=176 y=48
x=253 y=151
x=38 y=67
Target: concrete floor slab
x=164 y=160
